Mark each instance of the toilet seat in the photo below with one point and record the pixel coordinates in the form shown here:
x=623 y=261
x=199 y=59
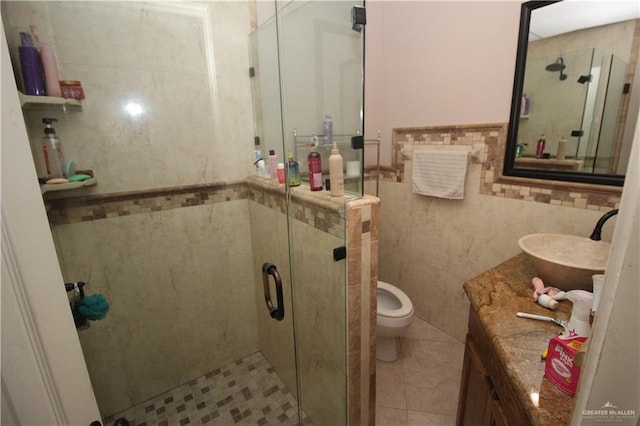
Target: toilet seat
x=406 y=307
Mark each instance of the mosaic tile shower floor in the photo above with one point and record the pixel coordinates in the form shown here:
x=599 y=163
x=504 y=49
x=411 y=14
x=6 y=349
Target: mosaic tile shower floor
x=244 y=392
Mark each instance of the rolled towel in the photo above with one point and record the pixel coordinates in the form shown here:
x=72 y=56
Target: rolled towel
x=94 y=307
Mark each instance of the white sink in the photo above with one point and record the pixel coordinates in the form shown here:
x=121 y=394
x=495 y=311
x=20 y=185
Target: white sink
x=566 y=261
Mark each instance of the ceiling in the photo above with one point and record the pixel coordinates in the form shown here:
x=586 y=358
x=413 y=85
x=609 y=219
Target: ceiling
x=571 y=15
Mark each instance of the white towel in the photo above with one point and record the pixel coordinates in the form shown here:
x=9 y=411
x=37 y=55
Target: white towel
x=440 y=173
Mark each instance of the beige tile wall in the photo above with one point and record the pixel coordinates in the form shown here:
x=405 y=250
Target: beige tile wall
x=430 y=246
x=179 y=281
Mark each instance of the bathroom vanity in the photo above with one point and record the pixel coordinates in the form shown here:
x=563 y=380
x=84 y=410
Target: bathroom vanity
x=503 y=375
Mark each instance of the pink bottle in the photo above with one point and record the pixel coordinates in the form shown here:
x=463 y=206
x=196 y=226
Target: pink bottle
x=50 y=65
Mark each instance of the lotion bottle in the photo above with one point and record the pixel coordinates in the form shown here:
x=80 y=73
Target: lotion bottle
x=273 y=165
x=562 y=148
x=49 y=64
x=336 y=174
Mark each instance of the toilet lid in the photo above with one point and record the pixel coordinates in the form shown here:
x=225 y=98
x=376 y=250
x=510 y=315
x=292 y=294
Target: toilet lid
x=406 y=307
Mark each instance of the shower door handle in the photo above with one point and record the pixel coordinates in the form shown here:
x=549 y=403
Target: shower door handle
x=276 y=312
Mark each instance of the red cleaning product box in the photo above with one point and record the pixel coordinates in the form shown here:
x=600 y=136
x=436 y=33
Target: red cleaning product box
x=561 y=367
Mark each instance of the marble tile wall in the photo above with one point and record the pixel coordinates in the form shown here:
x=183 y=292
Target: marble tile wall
x=179 y=281
x=430 y=246
x=182 y=66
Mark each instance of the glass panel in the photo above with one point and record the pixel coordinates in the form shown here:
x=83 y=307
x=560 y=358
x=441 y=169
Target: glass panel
x=605 y=159
x=269 y=222
x=308 y=63
x=322 y=74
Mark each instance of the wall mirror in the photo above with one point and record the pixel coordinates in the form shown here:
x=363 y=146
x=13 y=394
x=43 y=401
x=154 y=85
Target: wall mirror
x=576 y=88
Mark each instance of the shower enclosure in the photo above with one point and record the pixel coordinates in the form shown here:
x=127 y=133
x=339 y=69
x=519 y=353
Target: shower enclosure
x=177 y=234
x=578 y=95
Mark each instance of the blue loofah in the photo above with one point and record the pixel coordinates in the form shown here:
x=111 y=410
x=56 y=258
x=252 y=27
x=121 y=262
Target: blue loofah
x=94 y=307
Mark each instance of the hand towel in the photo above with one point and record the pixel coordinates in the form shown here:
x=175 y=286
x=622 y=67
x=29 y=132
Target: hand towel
x=440 y=172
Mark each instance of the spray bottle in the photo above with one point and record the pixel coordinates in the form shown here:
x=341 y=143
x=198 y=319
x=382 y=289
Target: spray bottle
x=562 y=363
x=579 y=325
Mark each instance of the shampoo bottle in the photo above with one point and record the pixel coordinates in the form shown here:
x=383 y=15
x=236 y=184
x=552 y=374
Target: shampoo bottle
x=293 y=171
x=49 y=64
x=540 y=147
x=31 y=65
x=562 y=148
x=336 y=174
x=52 y=151
x=314 y=161
x=327 y=130
x=273 y=165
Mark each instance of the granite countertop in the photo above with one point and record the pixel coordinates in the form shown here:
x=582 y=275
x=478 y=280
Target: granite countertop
x=496 y=296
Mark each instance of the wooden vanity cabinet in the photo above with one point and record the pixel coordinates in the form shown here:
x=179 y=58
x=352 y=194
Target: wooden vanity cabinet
x=487 y=396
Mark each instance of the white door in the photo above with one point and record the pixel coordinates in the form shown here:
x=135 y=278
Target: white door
x=44 y=376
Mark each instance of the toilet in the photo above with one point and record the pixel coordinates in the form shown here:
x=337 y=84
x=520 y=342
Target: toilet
x=395 y=313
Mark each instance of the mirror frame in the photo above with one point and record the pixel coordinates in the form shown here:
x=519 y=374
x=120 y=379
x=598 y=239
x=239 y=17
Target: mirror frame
x=514 y=117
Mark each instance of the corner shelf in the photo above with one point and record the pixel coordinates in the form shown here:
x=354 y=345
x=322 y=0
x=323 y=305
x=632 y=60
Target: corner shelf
x=49 y=103
x=50 y=187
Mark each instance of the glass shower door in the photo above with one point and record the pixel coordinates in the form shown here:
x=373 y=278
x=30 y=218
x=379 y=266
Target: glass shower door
x=313 y=54
x=321 y=74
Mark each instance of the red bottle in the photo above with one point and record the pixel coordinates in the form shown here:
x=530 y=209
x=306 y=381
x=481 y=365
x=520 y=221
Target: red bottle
x=540 y=148
x=314 y=161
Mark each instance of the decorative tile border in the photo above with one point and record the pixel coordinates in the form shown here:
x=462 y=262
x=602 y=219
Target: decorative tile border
x=319 y=210
x=105 y=206
x=492 y=182
x=362 y=282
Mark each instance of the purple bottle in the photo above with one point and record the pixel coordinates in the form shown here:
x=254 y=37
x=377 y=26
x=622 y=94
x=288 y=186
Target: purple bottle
x=31 y=64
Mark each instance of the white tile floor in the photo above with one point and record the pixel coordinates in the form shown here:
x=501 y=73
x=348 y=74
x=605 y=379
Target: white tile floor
x=421 y=387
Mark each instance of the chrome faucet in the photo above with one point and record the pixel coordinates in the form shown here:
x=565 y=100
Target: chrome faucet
x=595 y=235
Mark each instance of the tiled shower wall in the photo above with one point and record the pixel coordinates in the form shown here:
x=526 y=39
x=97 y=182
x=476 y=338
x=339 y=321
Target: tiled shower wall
x=181 y=269
x=176 y=268
x=184 y=64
